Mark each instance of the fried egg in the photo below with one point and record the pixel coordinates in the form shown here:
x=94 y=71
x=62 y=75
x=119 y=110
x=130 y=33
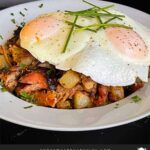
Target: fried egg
x=113 y=56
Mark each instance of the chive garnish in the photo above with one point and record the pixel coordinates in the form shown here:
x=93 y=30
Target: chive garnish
x=70 y=33
x=71 y=23
x=104 y=25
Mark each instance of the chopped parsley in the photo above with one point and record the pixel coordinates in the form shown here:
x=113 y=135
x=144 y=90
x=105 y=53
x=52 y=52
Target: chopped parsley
x=1 y=37
x=22 y=65
x=3 y=89
x=12 y=14
x=41 y=5
x=50 y=72
x=136 y=99
x=25 y=9
x=13 y=21
x=117 y=105
x=22 y=14
x=24 y=95
x=28 y=107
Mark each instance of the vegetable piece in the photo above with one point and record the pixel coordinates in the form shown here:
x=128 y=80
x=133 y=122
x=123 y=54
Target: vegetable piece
x=27 y=97
x=3 y=63
x=88 y=83
x=136 y=99
x=103 y=95
x=116 y=93
x=64 y=105
x=70 y=79
x=7 y=58
x=81 y=100
x=21 y=56
x=45 y=98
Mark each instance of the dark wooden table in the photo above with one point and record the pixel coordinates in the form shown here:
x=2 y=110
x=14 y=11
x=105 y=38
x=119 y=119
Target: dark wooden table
x=133 y=133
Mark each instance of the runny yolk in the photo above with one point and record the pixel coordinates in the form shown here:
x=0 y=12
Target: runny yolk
x=127 y=42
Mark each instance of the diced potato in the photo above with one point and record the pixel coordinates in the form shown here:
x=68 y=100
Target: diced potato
x=69 y=79
x=3 y=63
x=81 y=100
x=64 y=105
x=116 y=93
x=88 y=83
x=21 y=56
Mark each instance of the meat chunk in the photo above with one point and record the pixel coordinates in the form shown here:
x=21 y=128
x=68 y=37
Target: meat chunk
x=9 y=78
x=33 y=81
x=102 y=95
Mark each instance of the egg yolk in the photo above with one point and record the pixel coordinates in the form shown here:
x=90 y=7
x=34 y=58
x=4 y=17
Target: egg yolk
x=40 y=28
x=127 y=42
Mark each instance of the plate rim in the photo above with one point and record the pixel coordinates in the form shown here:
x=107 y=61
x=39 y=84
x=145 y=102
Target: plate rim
x=22 y=123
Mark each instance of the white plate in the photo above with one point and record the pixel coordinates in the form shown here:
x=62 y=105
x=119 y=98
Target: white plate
x=12 y=108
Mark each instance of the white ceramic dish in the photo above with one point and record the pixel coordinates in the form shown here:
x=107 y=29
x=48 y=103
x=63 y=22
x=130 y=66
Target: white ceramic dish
x=12 y=108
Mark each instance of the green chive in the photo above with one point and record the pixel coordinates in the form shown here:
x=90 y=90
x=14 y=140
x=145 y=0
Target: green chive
x=104 y=25
x=28 y=107
x=69 y=36
x=136 y=99
x=103 y=8
x=71 y=23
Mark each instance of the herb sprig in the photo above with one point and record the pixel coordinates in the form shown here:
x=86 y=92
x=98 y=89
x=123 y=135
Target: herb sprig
x=94 y=12
x=70 y=33
x=27 y=97
x=136 y=99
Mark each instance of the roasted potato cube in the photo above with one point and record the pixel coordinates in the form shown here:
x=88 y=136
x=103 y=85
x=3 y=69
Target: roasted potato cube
x=3 y=63
x=116 y=93
x=81 y=100
x=21 y=56
x=64 y=105
x=69 y=79
x=88 y=83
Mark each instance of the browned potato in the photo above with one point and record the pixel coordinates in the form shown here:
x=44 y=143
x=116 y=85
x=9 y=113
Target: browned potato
x=64 y=105
x=70 y=79
x=88 y=84
x=81 y=100
x=116 y=93
x=21 y=56
x=3 y=63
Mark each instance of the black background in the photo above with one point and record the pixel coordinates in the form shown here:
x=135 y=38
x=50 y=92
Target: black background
x=133 y=133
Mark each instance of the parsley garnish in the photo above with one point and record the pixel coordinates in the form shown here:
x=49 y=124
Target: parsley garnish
x=24 y=95
x=22 y=14
x=117 y=105
x=12 y=14
x=1 y=37
x=13 y=21
x=136 y=99
x=22 y=65
x=25 y=9
x=28 y=107
x=41 y=5
x=3 y=89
